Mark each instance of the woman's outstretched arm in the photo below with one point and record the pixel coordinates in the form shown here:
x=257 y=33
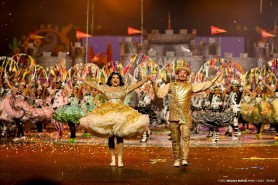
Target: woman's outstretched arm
x=91 y=84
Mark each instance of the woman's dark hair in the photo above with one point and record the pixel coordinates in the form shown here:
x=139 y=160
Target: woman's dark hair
x=110 y=78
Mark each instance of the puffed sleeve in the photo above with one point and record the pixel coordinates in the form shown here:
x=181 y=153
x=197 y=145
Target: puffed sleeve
x=197 y=87
x=101 y=88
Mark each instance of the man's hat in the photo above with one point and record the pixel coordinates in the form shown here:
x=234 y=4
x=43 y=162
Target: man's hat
x=183 y=69
x=217 y=86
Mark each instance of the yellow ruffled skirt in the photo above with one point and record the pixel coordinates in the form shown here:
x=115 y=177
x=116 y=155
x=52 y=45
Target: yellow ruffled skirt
x=246 y=112
x=115 y=119
x=275 y=110
x=266 y=112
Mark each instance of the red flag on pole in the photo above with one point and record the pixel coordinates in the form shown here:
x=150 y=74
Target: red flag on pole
x=81 y=35
x=132 y=31
x=34 y=36
x=265 y=34
x=215 y=30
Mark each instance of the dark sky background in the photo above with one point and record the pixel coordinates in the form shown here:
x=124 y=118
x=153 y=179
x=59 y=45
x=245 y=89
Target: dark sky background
x=112 y=17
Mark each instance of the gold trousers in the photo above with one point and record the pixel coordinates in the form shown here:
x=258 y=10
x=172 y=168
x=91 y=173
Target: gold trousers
x=180 y=139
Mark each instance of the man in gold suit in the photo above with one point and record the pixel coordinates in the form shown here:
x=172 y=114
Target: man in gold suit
x=180 y=117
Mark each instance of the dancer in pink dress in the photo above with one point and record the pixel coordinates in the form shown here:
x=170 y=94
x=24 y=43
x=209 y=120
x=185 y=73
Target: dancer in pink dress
x=59 y=98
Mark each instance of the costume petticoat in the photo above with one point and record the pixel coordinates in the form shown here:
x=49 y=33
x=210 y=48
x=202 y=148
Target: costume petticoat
x=246 y=111
x=266 y=112
x=114 y=117
x=69 y=113
x=262 y=113
x=210 y=118
x=275 y=110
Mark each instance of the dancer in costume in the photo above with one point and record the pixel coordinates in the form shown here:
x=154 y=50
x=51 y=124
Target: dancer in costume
x=59 y=98
x=4 y=90
x=206 y=107
x=20 y=92
x=113 y=118
x=199 y=113
x=92 y=98
x=180 y=114
x=246 y=110
x=226 y=96
x=219 y=117
x=216 y=106
x=197 y=102
x=87 y=103
x=274 y=93
x=214 y=116
x=144 y=106
x=38 y=103
x=71 y=112
x=234 y=103
x=257 y=117
x=165 y=110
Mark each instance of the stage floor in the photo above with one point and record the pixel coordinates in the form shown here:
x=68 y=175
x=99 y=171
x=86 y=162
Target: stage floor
x=46 y=160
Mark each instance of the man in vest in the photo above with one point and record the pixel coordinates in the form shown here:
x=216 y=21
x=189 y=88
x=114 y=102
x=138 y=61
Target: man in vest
x=180 y=117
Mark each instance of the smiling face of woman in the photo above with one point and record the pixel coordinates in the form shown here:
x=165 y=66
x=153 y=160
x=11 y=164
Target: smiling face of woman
x=115 y=80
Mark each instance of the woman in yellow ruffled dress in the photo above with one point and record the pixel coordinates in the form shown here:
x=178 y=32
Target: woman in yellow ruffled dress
x=113 y=118
x=256 y=116
x=261 y=110
x=273 y=91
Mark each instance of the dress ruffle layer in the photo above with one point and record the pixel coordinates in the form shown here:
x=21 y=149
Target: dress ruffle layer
x=210 y=118
x=115 y=119
x=264 y=112
x=68 y=113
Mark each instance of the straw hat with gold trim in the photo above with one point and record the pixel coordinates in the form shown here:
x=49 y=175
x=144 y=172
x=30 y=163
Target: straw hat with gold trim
x=183 y=69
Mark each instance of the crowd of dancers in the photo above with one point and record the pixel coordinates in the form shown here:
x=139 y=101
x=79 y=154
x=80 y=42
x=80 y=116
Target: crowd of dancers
x=58 y=103
x=63 y=104
x=235 y=104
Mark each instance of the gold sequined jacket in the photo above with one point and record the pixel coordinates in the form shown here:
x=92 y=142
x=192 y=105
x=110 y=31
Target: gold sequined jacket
x=180 y=96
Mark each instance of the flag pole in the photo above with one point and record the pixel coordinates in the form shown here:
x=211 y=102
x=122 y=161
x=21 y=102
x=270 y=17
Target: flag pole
x=93 y=12
x=142 y=21
x=272 y=47
x=87 y=30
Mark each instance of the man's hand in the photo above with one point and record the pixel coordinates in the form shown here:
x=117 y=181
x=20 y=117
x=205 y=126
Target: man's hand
x=218 y=74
